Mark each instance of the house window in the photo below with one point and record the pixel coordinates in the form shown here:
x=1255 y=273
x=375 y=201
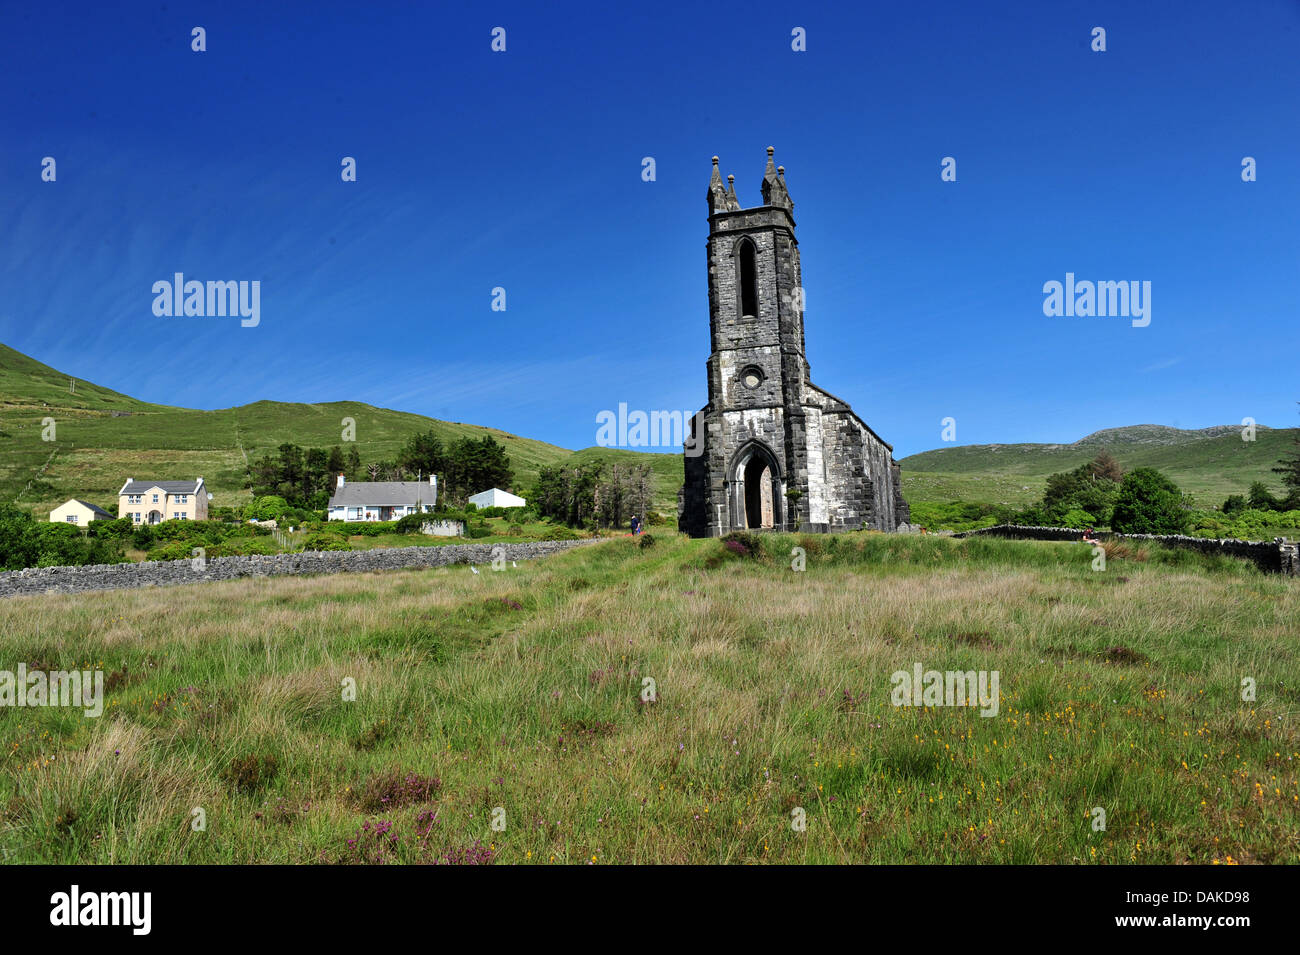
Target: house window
x=135 y=516
x=155 y=498
x=180 y=516
x=71 y=518
x=181 y=499
x=748 y=280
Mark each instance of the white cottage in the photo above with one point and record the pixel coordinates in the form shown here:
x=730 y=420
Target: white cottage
x=382 y=500
x=495 y=497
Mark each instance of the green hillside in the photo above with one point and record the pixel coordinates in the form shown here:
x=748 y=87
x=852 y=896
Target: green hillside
x=103 y=437
x=1209 y=463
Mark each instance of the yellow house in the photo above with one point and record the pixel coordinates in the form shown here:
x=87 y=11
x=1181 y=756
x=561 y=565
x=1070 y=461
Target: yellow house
x=152 y=502
x=77 y=512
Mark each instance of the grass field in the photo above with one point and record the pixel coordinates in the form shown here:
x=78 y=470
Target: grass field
x=1119 y=690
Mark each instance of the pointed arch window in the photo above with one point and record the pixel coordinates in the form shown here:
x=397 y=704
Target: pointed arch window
x=748 y=280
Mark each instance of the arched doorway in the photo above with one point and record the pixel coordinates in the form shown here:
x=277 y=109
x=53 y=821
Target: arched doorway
x=756 y=488
x=155 y=517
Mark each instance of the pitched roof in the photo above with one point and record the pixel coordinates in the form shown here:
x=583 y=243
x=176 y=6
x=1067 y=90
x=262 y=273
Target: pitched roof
x=87 y=504
x=383 y=494
x=171 y=487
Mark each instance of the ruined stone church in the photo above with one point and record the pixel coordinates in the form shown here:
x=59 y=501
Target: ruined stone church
x=771 y=449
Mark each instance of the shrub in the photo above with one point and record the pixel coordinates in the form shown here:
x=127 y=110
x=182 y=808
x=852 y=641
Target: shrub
x=1261 y=499
x=743 y=544
x=960 y=515
x=325 y=542
x=172 y=550
x=1078 y=518
x=559 y=533
x=119 y=529
x=267 y=508
x=1234 y=503
x=248 y=774
x=647 y=540
x=244 y=547
x=411 y=524
x=363 y=528
x=293 y=516
x=393 y=789
x=1149 y=503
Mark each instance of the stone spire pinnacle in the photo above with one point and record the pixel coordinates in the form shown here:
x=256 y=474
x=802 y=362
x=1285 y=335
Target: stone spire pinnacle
x=722 y=198
x=774 y=190
x=717 y=191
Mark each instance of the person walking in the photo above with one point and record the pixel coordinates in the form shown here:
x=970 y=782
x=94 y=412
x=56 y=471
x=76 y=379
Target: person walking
x=636 y=525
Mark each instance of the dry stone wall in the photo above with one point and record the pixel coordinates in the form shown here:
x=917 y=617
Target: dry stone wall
x=1278 y=556
x=164 y=573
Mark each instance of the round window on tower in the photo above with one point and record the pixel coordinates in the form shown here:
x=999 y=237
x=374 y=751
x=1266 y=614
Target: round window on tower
x=752 y=377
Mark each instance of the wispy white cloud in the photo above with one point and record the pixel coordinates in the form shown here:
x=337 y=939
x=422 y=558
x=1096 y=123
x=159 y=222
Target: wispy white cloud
x=1161 y=365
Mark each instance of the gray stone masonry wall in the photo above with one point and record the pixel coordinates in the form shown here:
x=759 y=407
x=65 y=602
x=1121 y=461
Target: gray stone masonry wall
x=165 y=573
x=1278 y=556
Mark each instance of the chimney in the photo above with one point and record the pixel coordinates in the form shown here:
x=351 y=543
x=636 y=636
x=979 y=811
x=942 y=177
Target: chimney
x=340 y=480
x=433 y=481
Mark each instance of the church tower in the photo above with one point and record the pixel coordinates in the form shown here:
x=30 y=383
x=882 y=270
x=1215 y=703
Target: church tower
x=770 y=449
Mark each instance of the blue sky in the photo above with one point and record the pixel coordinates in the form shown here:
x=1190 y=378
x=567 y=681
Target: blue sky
x=522 y=170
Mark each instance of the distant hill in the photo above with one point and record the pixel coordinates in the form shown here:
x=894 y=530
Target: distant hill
x=1209 y=463
x=104 y=437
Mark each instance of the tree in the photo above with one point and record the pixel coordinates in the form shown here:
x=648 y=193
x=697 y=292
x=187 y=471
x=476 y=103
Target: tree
x=353 y=468
x=1084 y=494
x=1289 y=468
x=316 y=471
x=301 y=477
x=1105 y=467
x=588 y=492
x=1261 y=499
x=550 y=493
x=293 y=472
x=335 y=464
x=423 y=455
x=18 y=545
x=473 y=466
x=1149 y=503
x=265 y=474
x=1233 y=504
x=268 y=507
